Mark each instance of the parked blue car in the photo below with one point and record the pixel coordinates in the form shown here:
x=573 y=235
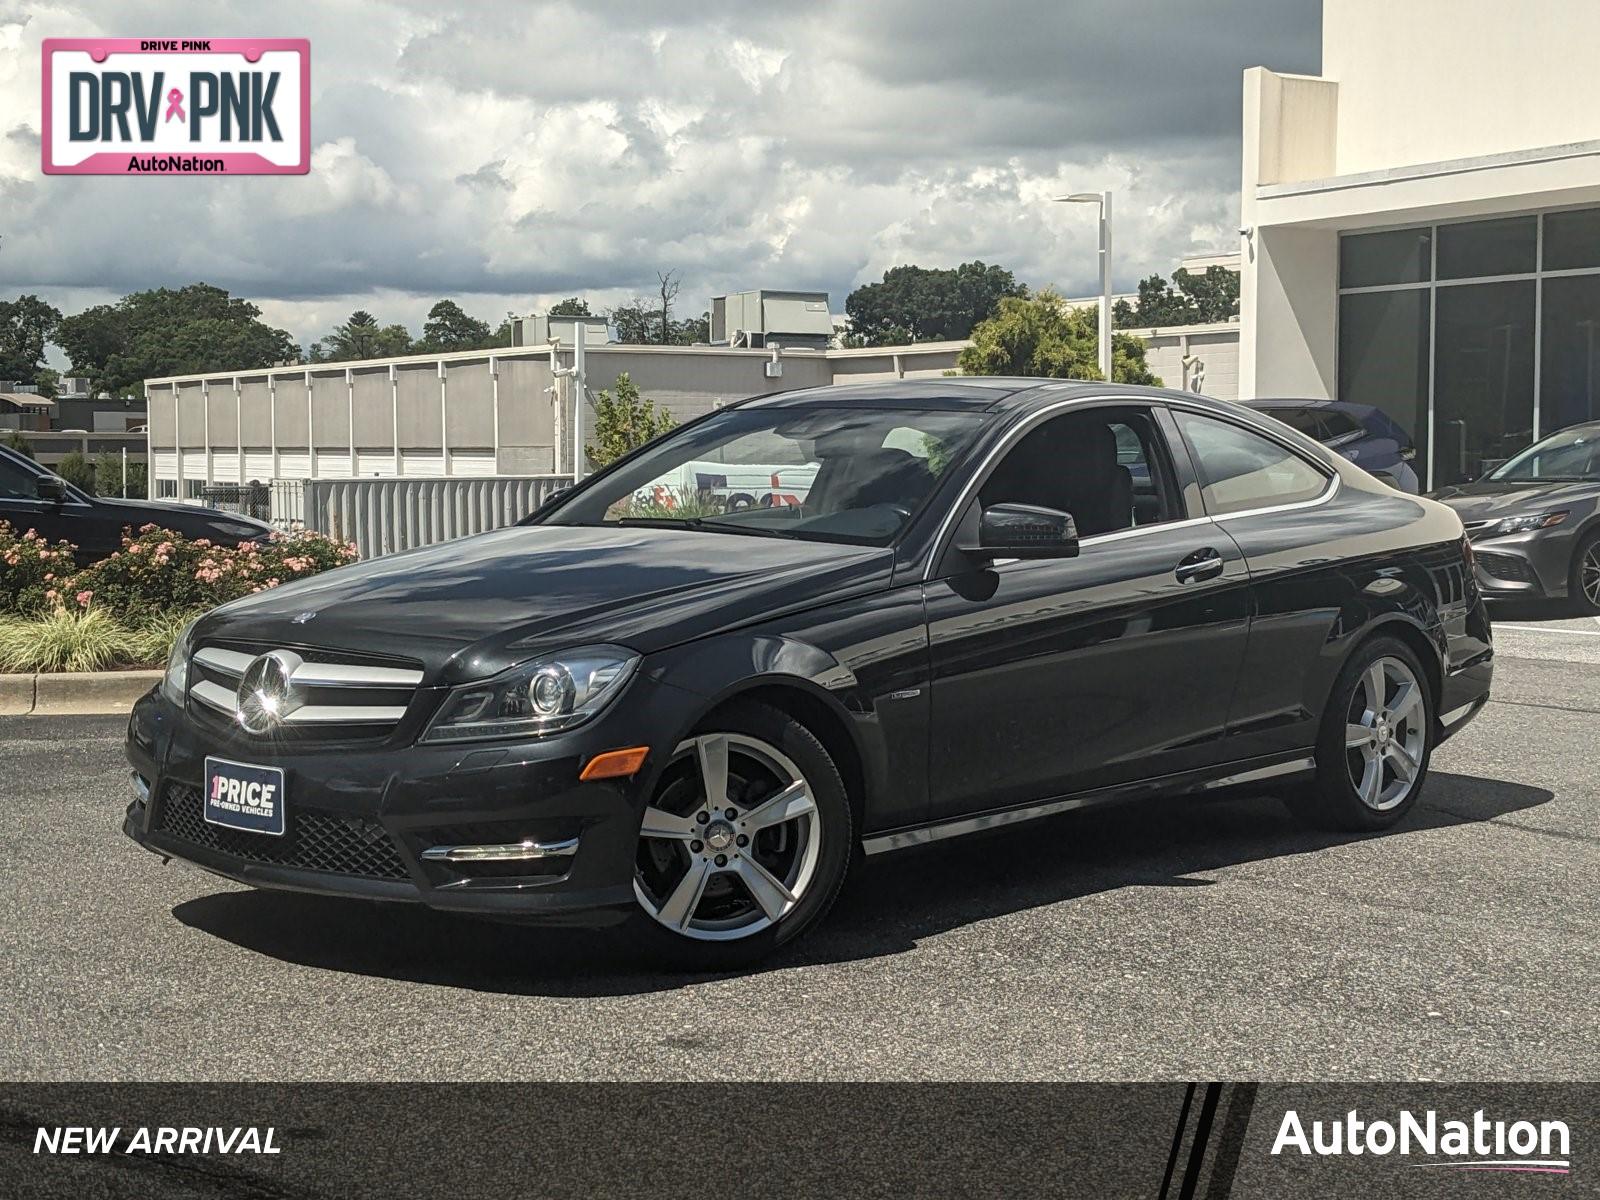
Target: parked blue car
x=1363 y=433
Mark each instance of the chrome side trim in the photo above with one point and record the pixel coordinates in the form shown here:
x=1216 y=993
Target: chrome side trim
x=961 y=826
x=510 y=852
x=1293 y=767
x=965 y=825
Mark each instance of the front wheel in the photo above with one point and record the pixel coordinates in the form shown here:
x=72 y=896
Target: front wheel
x=745 y=842
x=1375 y=742
x=1584 y=586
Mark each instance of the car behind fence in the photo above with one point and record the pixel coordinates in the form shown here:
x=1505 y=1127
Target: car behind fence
x=384 y=515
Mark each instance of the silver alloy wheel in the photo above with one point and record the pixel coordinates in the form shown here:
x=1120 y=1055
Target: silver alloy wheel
x=741 y=832
x=1386 y=732
x=1589 y=575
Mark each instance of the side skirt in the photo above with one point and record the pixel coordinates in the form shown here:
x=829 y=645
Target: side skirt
x=1236 y=775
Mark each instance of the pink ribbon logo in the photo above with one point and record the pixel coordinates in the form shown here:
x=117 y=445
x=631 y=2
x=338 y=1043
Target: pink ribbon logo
x=175 y=105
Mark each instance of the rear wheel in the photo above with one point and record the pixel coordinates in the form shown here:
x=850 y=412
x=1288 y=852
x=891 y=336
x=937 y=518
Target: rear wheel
x=745 y=842
x=1584 y=585
x=1375 y=742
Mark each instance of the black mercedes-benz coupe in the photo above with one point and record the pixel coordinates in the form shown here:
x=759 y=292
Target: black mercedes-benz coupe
x=688 y=694
x=1535 y=521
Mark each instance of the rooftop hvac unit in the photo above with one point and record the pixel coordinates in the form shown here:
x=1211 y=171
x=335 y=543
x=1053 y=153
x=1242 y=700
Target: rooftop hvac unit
x=797 y=320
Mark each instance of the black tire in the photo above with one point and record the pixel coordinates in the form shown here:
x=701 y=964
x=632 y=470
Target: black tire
x=1581 y=577
x=776 y=731
x=1333 y=799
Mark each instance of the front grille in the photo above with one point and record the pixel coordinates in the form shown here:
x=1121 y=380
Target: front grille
x=311 y=841
x=1506 y=567
x=327 y=696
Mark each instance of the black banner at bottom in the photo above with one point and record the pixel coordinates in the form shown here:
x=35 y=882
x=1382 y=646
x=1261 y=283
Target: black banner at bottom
x=1169 y=1141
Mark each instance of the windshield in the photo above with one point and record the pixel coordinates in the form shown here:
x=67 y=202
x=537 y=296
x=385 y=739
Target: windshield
x=828 y=474
x=1572 y=454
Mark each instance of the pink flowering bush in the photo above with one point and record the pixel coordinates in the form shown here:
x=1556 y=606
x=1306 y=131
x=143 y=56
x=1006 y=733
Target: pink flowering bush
x=31 y=569
x=158 y=571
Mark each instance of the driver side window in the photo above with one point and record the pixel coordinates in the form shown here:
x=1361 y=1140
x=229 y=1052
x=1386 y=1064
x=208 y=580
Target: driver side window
x=1105 y=466
x=17 y=483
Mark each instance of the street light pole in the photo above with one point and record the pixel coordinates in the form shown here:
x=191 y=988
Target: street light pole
x=1103 y=201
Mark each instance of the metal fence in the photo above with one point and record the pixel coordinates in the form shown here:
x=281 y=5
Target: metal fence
x=385 y=515
x=281 y=503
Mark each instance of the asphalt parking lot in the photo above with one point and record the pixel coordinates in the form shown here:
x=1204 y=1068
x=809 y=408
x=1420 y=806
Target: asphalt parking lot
x=1175 y=939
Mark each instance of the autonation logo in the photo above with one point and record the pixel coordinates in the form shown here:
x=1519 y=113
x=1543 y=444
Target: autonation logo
x=1480 y=1144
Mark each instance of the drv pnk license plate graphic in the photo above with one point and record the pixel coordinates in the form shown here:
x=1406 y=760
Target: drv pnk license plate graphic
x=165 y=106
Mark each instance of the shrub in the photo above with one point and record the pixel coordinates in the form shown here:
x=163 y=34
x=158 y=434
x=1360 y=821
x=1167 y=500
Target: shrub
x=623 y=422
x=77 y=470
x=64 y=641
x=138 y=482
x=30 y=568
x=159 y=572
x=14 y=440
x=108 y=474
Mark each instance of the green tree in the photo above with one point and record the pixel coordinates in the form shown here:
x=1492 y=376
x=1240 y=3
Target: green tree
x=13 y=440
x=921 y=304
x=77 y=470
x=138 y=482
x=1041 y=335
x=449 y=328
x=166 y=331
x=624 y=421
x=26 y=324
x=570 y=307
x=108 y=474
x=636 y=324
x=1189 y=299
x=362 y=337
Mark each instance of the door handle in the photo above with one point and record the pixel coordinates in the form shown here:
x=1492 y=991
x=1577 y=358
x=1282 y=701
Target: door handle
x=1202 y=564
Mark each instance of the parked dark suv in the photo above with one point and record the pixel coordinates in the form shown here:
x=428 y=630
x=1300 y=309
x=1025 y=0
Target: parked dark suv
x=647 y=706
x=33 y=497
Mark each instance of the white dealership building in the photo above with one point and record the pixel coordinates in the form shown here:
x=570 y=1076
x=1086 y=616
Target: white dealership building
x=1420 y=224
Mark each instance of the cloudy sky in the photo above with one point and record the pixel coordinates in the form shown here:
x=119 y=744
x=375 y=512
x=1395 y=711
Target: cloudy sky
x=511 y=153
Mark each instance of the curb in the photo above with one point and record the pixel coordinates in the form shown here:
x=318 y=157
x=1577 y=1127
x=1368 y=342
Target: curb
x=73 y=693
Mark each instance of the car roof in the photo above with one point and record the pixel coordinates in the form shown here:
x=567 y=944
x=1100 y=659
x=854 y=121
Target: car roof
x=971 y=393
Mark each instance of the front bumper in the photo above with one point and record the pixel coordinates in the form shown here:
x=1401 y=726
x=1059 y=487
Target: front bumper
x=1524 y=566
x=361 y=819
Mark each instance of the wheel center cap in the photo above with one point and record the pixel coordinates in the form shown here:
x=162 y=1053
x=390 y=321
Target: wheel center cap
x=719 y=835
x=1384 y=733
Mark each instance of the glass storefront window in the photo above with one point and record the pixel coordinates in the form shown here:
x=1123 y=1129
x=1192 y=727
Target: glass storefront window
x=1569 y=370
x=1507 y=246
x=1394 y=256
x=1483 y=382
x=1383 y=355
x=1572 y=239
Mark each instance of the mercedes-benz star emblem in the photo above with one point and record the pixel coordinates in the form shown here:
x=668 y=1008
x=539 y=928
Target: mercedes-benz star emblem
x=266 y=696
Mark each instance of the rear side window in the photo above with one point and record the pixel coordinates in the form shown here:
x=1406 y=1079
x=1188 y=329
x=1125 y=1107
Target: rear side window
x=1302 y=419
x=1241 y=470
x=1338 y=424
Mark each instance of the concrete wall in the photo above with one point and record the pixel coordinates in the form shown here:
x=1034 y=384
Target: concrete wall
x=481 y=414
x=1288 y=306
x=1432 y=80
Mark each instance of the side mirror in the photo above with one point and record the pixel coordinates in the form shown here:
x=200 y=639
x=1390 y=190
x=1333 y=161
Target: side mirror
x=51 y=489
x=1023 y=531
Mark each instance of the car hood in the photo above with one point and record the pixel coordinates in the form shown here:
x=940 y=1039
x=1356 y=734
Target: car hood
x=172 y=514
x=1488 y=500
x=468 y=608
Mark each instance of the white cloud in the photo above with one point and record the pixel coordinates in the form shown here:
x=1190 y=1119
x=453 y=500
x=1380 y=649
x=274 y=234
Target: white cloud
x=509 y=153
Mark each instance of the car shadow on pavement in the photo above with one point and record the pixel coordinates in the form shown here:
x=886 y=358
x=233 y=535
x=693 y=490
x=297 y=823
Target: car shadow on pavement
x=886 y=909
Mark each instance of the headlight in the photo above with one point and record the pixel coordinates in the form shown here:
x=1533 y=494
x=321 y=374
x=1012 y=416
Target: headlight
x=535 y=698
x=176 y=681
x=1530 y=522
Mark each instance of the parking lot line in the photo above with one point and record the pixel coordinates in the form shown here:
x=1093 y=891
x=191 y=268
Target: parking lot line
x=1541 y=629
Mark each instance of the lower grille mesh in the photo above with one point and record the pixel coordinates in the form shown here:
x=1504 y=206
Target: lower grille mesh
x=1505 y=566
x=312 y=841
